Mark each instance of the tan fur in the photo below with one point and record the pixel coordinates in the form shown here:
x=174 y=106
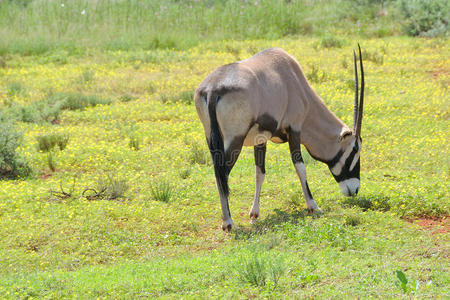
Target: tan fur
x=271 y=82
x=267 y=97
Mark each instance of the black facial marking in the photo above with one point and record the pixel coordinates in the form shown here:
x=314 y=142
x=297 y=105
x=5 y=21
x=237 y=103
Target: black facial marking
x=346 y=173
x=260 y=157
x=330 y=163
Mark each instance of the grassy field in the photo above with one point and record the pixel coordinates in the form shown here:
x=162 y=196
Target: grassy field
x=159 y=234
x=112 y=192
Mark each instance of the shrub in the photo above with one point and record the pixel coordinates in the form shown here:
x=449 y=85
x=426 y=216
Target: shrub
x=38 y=112
x=11 y=164
x=49 y=109
x=110 y=188
x=47 y=142
x=426 y=18
x=352 y=220
x=76 y=101
x=51 y=162
x=186 y=97
x=185 y=173
x=316 y=75
x=135 y=142
x=86 y=76
x=15 y=88
x=257 y=269
x=127 y=98
x=329 y=41
x=253 y=271
x=375 y=57
x=199 y=155
x=2 y=63
x=161 y=192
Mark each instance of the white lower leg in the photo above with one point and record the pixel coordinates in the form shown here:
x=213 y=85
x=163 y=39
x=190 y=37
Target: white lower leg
x=301 y=172
x=259 y=178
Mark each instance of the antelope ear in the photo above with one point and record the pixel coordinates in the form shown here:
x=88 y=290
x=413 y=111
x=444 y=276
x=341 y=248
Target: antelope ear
x=344 y=134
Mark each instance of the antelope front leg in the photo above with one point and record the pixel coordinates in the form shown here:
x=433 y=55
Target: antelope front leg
x=260 y=172
x=296 y=155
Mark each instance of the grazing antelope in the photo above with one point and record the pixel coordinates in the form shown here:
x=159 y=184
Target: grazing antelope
x=267 y=97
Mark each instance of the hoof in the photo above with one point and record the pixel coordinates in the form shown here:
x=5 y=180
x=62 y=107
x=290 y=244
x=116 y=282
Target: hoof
x=227 y=227
x=314 y=210
x=253 y=217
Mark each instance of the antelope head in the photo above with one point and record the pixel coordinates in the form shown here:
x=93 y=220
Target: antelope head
x=345 y=165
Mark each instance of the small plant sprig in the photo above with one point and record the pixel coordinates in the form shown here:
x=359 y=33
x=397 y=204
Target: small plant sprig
x=62 y=194
x=406 y=286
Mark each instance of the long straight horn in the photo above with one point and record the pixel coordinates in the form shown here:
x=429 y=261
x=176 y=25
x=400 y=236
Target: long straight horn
x=361 y=99
x=355 y=107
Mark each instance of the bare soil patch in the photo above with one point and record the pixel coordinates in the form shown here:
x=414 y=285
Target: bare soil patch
x=435 y=225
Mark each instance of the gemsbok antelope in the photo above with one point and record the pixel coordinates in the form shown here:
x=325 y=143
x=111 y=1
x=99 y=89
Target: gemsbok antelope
x=267 y=97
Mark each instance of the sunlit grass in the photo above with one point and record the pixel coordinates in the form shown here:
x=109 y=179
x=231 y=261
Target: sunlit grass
x=353 y=249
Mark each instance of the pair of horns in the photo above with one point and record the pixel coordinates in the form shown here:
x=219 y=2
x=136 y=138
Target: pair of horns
x=359 y=103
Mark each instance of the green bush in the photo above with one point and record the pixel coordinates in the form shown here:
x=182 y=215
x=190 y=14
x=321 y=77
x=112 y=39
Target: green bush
x=11 y=164
x=112 y=188
x=330 y=41
x=257 y=269
x=15 y=88
x=49 y=109
x=316 y=75
x=76 y=101
x=253 y=271
x=38 y=112
x=47 y=142
x=426 y=18
x=135 y=142
x=161 y=192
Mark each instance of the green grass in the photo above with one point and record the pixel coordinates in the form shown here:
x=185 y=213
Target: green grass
x=313 y=258
x=130 y=208
x=100 y=224
x=40 y=26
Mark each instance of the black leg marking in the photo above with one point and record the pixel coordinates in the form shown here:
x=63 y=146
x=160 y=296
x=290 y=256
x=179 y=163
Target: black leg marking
x=294 y=147
x=308 y=190
x=260 y=171
x=260 y=157
x=233 y=151
x=296 y=155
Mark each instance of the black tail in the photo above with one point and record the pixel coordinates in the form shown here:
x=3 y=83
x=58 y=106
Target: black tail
x=216 y=146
